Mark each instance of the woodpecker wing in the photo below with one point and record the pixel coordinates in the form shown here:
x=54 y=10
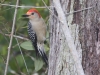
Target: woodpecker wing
x=33 y=37
x=38 y=47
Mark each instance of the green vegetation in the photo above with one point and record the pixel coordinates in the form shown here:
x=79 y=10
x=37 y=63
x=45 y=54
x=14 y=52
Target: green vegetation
x=16 y=62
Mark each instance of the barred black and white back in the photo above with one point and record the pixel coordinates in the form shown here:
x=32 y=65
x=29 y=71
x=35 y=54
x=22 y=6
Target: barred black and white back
x=39 y=47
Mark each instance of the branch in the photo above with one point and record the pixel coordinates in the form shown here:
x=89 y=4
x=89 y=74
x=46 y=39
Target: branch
x=80 y=10
x=68 y=37
x=22 y=56
x=24 y=6
x=10 y=44
x=16 y=36
x=19 y=37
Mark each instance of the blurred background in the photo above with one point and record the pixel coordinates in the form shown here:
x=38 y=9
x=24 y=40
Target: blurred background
x=16 y=63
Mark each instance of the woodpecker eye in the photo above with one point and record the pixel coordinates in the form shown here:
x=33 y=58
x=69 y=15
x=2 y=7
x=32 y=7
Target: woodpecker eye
x=32 y=13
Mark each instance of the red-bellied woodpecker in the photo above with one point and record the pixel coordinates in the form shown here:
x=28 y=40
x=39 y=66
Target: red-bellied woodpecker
x=37 y=32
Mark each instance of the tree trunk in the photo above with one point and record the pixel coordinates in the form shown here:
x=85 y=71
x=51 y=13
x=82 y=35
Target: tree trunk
x=90 y=37
x=60 y=59
x=84 y=26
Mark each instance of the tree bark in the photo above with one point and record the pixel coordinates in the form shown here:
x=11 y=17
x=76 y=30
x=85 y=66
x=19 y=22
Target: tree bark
x=84 y=26
x=90 y=37
x=60 y=59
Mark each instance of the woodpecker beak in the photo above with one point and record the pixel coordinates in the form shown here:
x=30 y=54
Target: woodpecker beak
x=27 y=14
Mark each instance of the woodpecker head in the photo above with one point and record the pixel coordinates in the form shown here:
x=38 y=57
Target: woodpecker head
x=32 y=14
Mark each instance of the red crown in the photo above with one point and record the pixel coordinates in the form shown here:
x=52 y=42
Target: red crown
x=34 y=10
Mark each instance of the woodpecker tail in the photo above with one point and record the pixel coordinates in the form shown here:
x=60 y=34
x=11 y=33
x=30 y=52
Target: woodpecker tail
x=39 y=48
x=42 y=53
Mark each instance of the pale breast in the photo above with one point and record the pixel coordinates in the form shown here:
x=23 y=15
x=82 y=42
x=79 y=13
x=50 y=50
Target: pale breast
x=40 y=28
